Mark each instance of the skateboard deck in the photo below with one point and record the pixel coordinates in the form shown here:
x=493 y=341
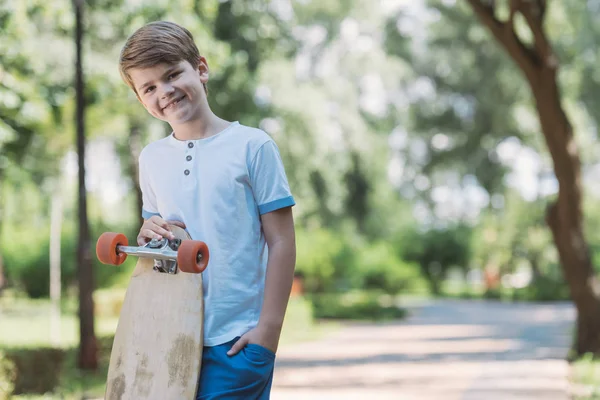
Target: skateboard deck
x=157 y=349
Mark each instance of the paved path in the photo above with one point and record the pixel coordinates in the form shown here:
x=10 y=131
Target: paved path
x=451 y=350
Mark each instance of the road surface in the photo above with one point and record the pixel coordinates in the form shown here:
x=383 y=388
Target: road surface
x=446 y=349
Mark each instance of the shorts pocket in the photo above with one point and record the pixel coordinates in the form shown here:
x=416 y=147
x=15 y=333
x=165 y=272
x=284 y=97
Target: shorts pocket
x=261 y=351
x=255 y=365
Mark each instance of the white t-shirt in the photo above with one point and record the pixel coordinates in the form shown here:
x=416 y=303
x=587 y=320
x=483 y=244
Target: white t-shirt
x=219 y=187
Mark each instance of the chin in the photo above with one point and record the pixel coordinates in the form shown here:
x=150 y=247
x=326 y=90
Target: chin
x=178 y=120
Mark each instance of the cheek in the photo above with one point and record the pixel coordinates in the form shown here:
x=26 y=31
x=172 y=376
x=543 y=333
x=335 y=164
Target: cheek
x=153 y=109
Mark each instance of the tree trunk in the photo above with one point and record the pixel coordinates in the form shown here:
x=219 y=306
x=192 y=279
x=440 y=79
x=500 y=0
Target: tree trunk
x=135 y=148
x=564 y=216
x=535 y=267
x=88 y=357
x=2 y=276
x=55 y=264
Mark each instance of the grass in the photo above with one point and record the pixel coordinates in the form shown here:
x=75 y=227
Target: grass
x=585 y=378
x=26 y=323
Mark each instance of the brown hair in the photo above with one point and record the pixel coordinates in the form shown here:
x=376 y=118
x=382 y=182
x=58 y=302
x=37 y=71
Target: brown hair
x=155 y=43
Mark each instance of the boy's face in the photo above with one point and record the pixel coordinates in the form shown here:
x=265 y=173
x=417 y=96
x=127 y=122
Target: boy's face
x=172 y=92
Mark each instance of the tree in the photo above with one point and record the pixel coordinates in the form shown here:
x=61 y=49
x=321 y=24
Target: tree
x=88 y=357
x=539 y=64
x=31 y=125
x=456 y=122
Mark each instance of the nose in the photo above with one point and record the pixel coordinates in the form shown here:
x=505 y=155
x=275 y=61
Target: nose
x=166 y=90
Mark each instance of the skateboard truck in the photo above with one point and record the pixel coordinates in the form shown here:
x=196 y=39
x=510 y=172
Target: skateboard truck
x=169 y=255
x=166 y=246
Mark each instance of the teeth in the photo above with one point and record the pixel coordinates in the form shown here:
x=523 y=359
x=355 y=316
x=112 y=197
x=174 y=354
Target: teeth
x=173 y=103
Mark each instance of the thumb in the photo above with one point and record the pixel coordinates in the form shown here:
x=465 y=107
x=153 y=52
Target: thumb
x=237 y=346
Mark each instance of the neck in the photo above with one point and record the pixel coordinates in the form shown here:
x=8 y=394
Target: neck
x=202 y=127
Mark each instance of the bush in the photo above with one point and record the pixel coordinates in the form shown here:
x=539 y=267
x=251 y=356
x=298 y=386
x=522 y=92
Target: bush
x=7 y=377
x=331 y=262
x=31 y=370
x=543 y=289
x=30 y=270
x=493 y=294
x=379 y=268
x=323 y=260
x=436 y=251
x=355 y=306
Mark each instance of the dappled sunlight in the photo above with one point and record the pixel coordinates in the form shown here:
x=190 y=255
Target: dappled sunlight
x=422 y=143
x=458 y=379
x=465 y=349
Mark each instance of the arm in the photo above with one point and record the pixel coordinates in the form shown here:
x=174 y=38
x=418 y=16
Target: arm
x=278 y=227
x=279 y=233
x=153 y=226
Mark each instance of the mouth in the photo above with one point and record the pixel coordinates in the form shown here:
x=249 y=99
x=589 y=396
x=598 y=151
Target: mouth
x=173 y=103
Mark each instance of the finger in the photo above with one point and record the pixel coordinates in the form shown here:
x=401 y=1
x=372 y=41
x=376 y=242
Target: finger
x=159 y=222
x=145 y=236
x=237 y=346
x=177 y=223
x=162 y=232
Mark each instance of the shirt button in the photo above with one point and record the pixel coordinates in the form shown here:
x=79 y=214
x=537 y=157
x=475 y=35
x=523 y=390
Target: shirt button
x=190 y=145
x=189 y=158
x=186 y=172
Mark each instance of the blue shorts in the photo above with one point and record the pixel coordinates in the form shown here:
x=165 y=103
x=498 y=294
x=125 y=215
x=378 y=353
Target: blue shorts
x=247 y=375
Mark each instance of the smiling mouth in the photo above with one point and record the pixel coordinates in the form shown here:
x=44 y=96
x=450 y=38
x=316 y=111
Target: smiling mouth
x=173 y=103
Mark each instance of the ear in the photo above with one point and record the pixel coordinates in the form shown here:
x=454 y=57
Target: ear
x=203 y=69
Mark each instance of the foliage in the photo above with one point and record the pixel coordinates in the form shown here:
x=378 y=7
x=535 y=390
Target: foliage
x=543 y=289
x=380 y=268
x=7 y=377
x=515 y=237
x=455 y=120
x=436 y=251
x=370 y=306
x=323 y=259
x=299 y=325
x=30 y=270
x=585 y=378
x=330 y=262
x=345 y=100
x=35 y=370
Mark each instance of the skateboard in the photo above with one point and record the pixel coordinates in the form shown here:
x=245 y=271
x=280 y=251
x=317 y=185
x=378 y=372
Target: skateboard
x=157 y=349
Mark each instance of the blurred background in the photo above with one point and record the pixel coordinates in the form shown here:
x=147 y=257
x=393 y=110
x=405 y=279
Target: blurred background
x=410 y=137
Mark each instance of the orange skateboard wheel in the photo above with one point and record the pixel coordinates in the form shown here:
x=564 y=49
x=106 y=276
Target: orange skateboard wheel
x=188 y=256
x=106 y=248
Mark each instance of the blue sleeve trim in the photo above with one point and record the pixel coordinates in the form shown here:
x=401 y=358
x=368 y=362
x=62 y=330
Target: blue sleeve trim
x=148 y=214
x=276 y=205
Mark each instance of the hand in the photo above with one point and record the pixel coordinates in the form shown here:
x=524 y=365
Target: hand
x=258 y=335
x=156 y=228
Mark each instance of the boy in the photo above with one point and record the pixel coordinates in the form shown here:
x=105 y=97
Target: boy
x=225 y=183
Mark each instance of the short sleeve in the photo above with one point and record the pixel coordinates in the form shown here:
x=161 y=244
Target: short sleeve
x=149 y=207
x=268 y=179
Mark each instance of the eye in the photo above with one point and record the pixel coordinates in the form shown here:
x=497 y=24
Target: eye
x=149 y=89
x=174 y=75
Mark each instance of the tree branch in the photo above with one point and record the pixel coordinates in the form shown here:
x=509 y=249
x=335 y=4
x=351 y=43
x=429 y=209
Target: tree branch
x=504 y=32
x=533 y=12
